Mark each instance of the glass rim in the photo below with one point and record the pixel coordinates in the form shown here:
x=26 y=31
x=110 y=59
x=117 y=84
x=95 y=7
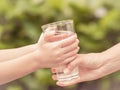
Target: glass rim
x=57 y=22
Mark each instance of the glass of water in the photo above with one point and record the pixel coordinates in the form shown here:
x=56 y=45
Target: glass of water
x=63 y=27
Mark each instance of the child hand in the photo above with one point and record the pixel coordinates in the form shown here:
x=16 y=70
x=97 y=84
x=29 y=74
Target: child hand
x=51 y=54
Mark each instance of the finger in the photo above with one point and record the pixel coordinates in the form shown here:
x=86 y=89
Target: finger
x=53 y=70
x=68 y=83
x=68 y=41
x=59 y=37
x=54 y=77
x=71 y=65
x=48 y=35
x=68 y=60
x=71 y=47
x=70 y=54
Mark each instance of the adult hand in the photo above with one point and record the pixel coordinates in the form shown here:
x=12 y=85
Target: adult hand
x=93 y=66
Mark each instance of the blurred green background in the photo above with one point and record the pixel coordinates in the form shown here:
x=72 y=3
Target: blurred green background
x=97 y=24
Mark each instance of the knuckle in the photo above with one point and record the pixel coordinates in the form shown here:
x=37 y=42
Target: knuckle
x=57 y=54
x=62 y=57
x=60 y=60
x=78 y=48
x=74 y=46
x=75 y=51
x=56 y=46
x=77 y=41
x=73 y=39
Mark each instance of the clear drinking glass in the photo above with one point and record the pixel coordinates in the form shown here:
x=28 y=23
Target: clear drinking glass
x=63 y=27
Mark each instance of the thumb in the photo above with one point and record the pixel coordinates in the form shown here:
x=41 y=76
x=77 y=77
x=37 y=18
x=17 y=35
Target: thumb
x=48 y=35
x=49 y=32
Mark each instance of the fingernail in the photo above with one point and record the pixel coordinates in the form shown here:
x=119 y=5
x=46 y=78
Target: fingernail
x=60 y=84
x=66 y=71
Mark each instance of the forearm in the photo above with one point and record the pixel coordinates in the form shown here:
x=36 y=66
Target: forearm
x=9 y=54
x=17 y=68
x=112 y=60
x=113 y=51
x=112 y=54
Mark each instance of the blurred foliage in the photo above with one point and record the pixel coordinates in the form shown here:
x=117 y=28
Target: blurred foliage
x=97 y=24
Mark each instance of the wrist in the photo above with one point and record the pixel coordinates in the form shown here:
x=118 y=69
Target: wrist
x=37 y=57
x=34 y=47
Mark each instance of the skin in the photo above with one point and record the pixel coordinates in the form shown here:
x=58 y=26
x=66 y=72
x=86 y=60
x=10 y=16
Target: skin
x=18 y=62
x=93 y=66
